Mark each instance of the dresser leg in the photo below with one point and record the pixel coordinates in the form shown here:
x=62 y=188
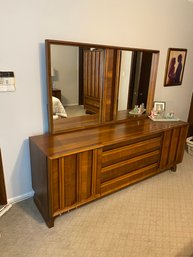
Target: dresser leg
x=174 y=168
x=44 y=212
x=50 y=223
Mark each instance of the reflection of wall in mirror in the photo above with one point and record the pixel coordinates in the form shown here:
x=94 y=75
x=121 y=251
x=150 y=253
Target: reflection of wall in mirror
x=65 y=60
x=124 y=80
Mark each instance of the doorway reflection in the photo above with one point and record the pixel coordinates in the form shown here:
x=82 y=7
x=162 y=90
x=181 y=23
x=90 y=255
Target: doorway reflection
x=135 y=69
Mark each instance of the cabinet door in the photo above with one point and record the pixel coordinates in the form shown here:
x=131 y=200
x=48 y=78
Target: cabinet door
x=173 y=147
x=93 y=72
x=74 y=179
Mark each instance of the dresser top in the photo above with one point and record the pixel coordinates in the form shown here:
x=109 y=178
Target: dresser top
x=55 y=146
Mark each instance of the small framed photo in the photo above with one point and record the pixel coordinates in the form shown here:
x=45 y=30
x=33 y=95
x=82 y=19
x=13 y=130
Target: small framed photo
x=159 y=106
x=176 y=59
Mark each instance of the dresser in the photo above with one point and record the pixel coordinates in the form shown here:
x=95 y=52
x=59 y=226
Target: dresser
x=74 y=168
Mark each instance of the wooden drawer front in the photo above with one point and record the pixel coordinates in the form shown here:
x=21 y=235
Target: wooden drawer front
x=129 y=178
x=123 y=153
x=121 y=168
x=74 y=178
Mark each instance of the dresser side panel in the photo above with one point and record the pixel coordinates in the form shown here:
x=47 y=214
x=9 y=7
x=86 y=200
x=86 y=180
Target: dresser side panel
x=40 y=181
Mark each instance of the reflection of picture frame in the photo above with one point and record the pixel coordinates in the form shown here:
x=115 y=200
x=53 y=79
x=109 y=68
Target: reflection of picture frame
x=175 y=66
x=159 y=106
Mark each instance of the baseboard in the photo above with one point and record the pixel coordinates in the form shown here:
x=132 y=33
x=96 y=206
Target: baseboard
x=5 y=209
x=20 y=198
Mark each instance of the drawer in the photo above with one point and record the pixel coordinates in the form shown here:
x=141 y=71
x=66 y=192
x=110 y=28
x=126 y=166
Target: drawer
x=130 y=178
x=121 y=168
x=129 y=151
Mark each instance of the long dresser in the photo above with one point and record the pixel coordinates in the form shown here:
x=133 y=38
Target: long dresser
x=74 y=168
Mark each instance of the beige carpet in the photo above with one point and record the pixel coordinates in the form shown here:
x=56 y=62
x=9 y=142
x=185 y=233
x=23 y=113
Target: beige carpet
x=153 y=218
x=75 y=110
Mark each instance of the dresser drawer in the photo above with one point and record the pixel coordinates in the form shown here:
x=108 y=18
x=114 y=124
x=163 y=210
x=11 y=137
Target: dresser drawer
x=121 y=168
x=129 y=178
x=129 y=151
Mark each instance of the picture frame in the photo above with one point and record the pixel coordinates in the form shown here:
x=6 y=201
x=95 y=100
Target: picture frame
x=176 y=59
x=159 y=106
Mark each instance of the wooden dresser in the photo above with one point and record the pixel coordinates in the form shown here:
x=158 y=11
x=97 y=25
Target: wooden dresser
x=74 y=168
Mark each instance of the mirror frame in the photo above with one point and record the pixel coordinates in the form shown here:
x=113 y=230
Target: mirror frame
x=83 y=122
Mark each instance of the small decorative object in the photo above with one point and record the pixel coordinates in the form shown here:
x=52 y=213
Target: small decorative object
x=158 y=113
x=176 y=59
x=170 y=115
x=159 y=108
x=138 y=110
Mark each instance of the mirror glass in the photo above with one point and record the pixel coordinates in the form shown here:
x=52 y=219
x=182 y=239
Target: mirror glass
x=75 y=81
x=124 y=79
x=65 y=79
x=134 y=78
x=87 y=82
x=75 y=75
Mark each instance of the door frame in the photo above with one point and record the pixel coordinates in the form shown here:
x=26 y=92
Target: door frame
x=3 y=195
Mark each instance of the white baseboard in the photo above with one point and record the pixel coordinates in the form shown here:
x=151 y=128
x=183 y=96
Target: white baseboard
x=20 y=198
x=5 y=209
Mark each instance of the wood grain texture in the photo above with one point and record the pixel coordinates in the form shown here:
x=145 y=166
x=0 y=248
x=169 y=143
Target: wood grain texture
x=67 y=143
x=41 y=183
x=74 y=168
x=173 y=147
x=121 y=168
x=129 y=151
x=128 y=179
x=93 y=62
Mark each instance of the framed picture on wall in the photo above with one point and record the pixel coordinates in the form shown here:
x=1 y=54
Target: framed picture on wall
x=175 y=63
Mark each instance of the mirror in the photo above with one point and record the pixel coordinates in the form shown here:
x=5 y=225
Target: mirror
x=134 y=77
x=92 y=84
x=65 y=78
x=76 y=80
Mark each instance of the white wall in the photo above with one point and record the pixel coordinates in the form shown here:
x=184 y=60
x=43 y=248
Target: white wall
x=124 y=80
x=24 y=26
x=68 y=78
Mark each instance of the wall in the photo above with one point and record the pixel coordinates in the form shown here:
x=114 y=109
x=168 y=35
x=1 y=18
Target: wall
x=26 y=24
x=67 y=79
x=124 y=79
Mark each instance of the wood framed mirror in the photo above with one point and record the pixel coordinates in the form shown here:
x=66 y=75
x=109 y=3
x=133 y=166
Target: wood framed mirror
x=91 y=84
